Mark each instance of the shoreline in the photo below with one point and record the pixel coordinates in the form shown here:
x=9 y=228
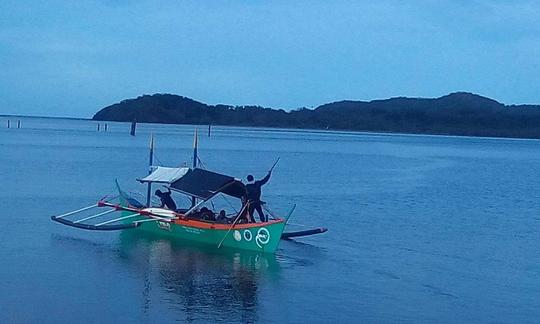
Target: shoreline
x=292 y=129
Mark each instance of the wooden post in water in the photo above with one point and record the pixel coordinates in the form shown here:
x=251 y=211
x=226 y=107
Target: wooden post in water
x=8 y=124
x=150 y=162
x=133 y=126
x=209 y=129
x=98 y=127
x=19 y=123
x=105 y=127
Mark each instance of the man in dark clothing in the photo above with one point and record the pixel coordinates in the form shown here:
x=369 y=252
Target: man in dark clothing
x=166 y=199
x=253 y=195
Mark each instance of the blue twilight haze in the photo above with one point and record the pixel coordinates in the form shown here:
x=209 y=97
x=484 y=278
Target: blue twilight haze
x=71 y=58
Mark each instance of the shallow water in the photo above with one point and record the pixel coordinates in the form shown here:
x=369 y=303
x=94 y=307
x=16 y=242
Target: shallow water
x=421 y=229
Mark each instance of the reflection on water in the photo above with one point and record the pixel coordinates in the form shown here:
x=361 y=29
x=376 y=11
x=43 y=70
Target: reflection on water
x=198 y=281
x=194 y=282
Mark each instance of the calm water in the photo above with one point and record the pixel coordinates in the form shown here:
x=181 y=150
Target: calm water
x=421 y=229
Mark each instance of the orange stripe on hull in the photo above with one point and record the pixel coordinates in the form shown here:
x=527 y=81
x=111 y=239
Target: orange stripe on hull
x=200 y=224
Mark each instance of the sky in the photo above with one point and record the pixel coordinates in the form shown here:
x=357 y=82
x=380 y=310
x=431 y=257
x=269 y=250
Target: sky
x=72 y=58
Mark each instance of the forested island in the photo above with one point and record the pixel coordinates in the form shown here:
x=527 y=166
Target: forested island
x=459 y=113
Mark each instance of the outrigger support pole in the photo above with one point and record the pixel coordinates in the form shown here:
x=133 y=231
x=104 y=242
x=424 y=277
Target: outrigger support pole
x=289 y=235
x=94 y=227
x=117 y=219
x=94 y=216
x=139 y=211
x=75 y=211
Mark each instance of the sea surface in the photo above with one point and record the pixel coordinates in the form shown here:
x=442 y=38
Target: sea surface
x=421 y=229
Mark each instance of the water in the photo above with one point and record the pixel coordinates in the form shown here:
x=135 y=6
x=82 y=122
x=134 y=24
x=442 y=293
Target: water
x=421 y=229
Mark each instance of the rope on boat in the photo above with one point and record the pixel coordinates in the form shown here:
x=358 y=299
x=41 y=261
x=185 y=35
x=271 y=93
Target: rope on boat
x=228 y=202
x=201 y=162
x=267 y=209
x=158 y=160
x=106 y=197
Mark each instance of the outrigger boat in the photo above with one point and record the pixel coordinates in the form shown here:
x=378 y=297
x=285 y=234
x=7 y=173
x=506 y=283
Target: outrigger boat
x=201 y=186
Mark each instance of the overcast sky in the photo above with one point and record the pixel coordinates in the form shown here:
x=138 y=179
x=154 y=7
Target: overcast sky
x=71 y=58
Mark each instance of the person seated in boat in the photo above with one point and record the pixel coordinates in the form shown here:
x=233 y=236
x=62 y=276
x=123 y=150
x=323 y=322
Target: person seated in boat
x=166 y=200
x=253 y=195
x=222 y=217
x=207 y=214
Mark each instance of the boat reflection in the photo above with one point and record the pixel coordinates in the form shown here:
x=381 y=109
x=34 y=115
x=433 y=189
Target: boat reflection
x=200 y=282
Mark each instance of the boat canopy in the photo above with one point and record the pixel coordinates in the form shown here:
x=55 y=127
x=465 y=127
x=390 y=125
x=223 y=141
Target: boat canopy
x=204 y=184
x=165 y=175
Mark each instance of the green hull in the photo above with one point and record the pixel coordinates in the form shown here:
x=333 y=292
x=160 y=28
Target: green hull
x=261 y=238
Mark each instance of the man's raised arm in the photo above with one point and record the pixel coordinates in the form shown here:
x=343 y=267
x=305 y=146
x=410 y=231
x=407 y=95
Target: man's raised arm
x=265 y=179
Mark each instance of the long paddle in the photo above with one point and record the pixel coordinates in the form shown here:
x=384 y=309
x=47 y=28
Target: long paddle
x=234 y=223
x=272 y=168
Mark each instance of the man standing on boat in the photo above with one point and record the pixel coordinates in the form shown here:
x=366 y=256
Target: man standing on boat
x=253 y=195
x=166 y=199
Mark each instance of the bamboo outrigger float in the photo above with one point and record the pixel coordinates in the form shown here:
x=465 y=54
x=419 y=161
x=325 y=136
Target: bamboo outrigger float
x=201 y=186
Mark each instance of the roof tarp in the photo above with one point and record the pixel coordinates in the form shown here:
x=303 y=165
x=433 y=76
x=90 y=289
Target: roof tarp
x=165 y=175
x=203 y=184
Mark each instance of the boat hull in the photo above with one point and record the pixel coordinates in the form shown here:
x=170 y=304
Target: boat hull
x=260 y=237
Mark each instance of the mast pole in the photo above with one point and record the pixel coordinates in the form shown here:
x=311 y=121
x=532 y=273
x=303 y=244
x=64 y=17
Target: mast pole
x=195 y=158
x=150 y=162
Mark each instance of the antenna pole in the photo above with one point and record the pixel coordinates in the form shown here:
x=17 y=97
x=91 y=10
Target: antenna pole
x=195 y=158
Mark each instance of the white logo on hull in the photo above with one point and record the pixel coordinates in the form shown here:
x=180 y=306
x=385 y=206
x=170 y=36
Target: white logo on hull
x=263 y=237
x=164 y=225
x=237 y=236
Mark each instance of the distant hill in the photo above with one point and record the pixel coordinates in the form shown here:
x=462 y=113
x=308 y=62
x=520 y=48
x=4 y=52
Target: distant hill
x=459 y=113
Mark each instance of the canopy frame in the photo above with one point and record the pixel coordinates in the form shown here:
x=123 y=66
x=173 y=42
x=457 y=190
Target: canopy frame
x=164 y=175
x=204 y=184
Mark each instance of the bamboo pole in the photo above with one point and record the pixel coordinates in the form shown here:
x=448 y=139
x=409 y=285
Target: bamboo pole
x=195 y=158
x=117 y=219
x=94 y=216
x=140 y=211
x=76 y=211
x=234 y=223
